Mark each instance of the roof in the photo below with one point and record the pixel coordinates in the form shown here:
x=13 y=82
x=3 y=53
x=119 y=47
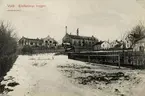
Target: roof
x=140 y=39
x=81 y=37
x=118 y=45
x=30 y=39
x=106 y=42
x=118 y=41
x=99 y=43
x=109 y=50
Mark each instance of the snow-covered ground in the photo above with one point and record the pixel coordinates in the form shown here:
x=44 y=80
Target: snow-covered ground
x=49 y=75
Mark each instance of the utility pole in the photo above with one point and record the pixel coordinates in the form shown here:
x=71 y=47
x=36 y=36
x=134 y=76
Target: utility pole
x=119 y=61
x=88 y=58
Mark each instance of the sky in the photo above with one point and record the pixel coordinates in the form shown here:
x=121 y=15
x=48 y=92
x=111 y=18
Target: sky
x=105 y=19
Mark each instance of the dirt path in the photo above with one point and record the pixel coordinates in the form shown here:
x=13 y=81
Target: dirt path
x=46 y=80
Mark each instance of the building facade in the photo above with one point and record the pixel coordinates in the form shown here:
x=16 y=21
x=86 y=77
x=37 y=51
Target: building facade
x=139 y=46
x=116 y=44
x=128 y=43
x=97 y=46
x=105 y=45
x=78 y=42
x=43 y=42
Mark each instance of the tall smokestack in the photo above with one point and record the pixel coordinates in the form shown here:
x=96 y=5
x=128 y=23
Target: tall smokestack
x=66 y=29
x=77 y=31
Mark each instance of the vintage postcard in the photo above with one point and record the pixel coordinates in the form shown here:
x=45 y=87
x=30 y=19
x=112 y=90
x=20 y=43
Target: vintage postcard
x=72 y=47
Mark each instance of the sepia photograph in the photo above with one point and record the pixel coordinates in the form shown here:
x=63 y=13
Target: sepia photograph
x=72 y=47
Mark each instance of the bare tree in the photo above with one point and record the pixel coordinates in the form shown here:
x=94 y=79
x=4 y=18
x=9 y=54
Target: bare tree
x=137 y=33
x=8 y=48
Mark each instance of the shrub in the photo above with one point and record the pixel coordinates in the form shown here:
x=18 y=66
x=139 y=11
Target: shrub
x=27 y=50
x=8 y=49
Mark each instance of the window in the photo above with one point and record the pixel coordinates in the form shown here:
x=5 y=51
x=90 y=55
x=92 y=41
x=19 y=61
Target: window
x=141 y=48
x=79 y=43
x=83 y=42
x=50 y=41
x=89 y=43
x=40 y=44
x=46 y=42
x=86 y=43
x=74 y=42
x=22 y=42
x=31 y=43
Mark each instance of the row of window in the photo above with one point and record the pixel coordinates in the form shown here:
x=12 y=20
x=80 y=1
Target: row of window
x=35 y=43
x=82 y=43
x=47 y=42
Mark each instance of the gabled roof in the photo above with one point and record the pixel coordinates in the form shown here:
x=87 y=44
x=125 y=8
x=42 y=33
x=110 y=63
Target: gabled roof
x=30 y=39
x=81 y=37
x=139 y=39
x=118 y=45
x=106 y=42
x=99 y=43
x=118 y=41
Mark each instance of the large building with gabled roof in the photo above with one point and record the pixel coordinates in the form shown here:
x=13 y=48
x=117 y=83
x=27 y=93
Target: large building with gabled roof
x=78 y=42
x=46 y=42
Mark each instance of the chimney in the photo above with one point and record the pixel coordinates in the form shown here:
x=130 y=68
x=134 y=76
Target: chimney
x=77 y=31
x=66 y=29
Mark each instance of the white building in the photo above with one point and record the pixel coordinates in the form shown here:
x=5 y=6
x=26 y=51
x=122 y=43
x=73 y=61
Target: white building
x=105 y=45
x=139 y=46
x=116 y=44
x=47 y=42
x=127 y=43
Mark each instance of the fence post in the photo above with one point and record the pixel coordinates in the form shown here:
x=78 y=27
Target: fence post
x=88 y=58
x=119 y=61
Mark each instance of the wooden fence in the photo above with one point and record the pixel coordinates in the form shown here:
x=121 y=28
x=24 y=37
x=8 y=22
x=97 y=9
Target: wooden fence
x=116 y=57
x=37 y=51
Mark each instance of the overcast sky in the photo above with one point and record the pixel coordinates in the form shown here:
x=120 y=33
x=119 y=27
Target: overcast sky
x=105 y=19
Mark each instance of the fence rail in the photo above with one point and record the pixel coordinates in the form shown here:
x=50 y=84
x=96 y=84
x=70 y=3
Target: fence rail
x=117 y=58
